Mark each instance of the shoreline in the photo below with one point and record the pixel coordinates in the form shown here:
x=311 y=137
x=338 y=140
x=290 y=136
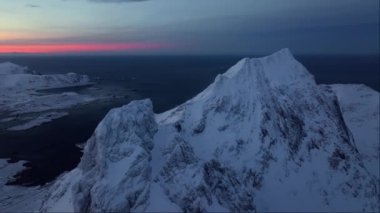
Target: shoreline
x=56 y=140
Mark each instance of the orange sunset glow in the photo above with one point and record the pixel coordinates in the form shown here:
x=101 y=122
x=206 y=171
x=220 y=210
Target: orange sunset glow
x=76 y=48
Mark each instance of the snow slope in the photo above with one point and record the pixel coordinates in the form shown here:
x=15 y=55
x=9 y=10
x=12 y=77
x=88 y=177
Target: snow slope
x=263 y=137
x=360 y=108
x=22 y=103
x=17 y=198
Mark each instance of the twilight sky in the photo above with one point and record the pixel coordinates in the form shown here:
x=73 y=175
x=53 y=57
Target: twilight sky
x=189 y=26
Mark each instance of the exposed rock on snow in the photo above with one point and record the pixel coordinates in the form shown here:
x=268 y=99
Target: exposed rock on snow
x=19 y=95
x=263 y=137
x=360 y=108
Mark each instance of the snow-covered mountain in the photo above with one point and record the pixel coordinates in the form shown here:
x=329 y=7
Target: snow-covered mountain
x=263 y=137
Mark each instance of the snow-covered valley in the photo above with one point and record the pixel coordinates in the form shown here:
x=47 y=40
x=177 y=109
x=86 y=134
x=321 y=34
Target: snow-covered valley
x=262 y=137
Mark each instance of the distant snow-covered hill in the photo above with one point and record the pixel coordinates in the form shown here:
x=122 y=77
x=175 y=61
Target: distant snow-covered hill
x=23 y=106
x=263 y=137
x=8 y=68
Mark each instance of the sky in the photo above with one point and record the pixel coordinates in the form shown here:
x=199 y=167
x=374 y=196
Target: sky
x=224 y=27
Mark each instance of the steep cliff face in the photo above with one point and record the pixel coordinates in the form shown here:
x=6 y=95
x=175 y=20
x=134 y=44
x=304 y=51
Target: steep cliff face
x=115 y=172
x=360 y=108
x=263 y=137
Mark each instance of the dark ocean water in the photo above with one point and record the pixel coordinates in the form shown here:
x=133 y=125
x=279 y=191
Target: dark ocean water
x=167 y=80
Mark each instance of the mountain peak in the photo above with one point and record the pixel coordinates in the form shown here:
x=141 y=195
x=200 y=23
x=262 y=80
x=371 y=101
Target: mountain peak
x=278 y=68
x=262 y=133
x=284 y=53
x=263 y=74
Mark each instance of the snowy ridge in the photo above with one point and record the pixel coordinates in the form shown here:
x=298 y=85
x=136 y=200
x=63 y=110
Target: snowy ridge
x=263 y=137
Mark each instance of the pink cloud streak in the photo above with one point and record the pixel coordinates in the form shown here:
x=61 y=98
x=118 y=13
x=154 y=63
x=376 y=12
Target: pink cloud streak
x=78 y=47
